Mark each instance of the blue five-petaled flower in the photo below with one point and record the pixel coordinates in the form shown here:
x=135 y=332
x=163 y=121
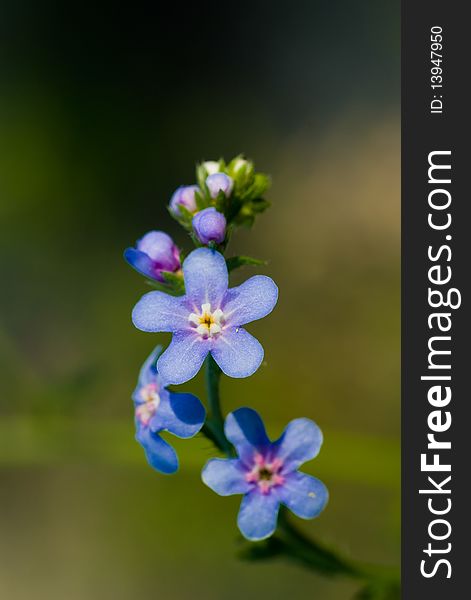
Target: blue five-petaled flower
x=157 y=409
x=266 y=472
x=207 y=319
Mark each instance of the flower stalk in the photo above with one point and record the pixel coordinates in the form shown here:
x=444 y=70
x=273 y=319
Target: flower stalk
x=193 y=301
x=214 y=426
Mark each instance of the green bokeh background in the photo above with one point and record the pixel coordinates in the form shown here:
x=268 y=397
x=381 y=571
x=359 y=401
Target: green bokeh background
x=103 y=112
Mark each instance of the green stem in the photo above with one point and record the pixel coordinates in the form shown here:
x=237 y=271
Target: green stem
x=214 y=426
x=313 y=556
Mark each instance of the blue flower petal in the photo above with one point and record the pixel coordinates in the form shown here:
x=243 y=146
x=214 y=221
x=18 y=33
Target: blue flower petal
x=252 y=300
x=206 y=277
x=245 y=430
x=300 y=442
x=258 y=515
x=183 y=358
x=181 y=414
x=141 y=262
x=225 y=477
x=159 y=454
x=237 y=352
x=304 y=495
x=148 y=372
x=157 y=311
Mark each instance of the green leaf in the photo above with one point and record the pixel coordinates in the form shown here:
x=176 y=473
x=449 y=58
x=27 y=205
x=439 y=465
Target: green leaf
x=174 y=281
x=185 y=218
x=234 y=262
x=380 y=590
x=311 y=556
x=221 y=202
x=202 y=202
x=201 y=175
x=242 y=172
x=162 y=287
x=248 y=212
x=257 y=188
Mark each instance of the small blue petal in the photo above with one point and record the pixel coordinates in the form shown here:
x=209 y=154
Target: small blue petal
x=141 y=262
x=180 y=414
x=304 y=495
x=147 y=374
x=148 y=371
x=206 y=277
x=300 y=442
x=258 y=515
x=183 y=358
x=245 y=430
x=160 y=455
x=237 y=352
x=157 y=311
x=252 y=300
x=225 y=477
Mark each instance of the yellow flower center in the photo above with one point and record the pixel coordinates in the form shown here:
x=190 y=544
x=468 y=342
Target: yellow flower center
x=207 y=323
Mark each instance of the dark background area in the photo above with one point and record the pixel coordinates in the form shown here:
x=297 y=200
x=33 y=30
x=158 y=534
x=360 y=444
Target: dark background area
x=103 y=112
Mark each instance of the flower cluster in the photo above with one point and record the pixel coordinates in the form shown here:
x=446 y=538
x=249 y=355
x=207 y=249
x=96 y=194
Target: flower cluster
x=207 y=318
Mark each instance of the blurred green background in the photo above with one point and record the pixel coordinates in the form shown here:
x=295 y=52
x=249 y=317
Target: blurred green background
x=104 y=110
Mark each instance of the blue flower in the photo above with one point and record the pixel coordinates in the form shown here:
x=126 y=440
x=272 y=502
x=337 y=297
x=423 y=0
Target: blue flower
x=266 y=472
x=156 y=409
x=183 y=196
x=209 y=225
x=154 y=253
x=219 y=182
x=207 y=319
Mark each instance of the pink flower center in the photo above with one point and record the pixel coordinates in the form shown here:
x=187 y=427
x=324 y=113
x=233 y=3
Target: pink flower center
x=150 y=403
x=265 y=474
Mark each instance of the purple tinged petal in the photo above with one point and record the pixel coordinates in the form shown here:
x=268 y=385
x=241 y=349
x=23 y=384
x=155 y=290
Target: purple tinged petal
x=219 y=182
x=206 y=278
x=161 y=249
x=183 y=358
x=304 y=495
x=237 y=353
x=209 y=225
x=157 y=311
x=142 y=263
x=183 y=196
x=258 y=515
x=225 y=477
x=252 y=300
x=245 y=430
x=180 y=414
x=159 y=454
x=300 y=442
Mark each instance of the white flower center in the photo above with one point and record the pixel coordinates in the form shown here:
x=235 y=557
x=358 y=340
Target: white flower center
x=207 y=323
x=150 y=403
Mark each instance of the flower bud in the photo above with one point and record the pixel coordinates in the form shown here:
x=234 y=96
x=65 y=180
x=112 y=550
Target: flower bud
x=209 y=225
x=154 y=252
x=219 y=182
x=184 y=196
x=211 y=166
x=238 y=164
